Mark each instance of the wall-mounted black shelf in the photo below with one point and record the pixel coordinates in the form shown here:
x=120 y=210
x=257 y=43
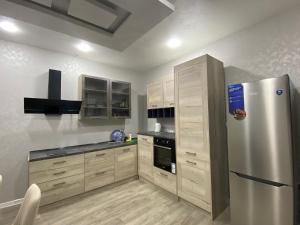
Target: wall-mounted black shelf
x=161 y=113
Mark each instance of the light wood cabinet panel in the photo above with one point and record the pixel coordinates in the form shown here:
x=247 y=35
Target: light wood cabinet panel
x=201 y=134
x=95 y=179
x=169 y=93
x=53 y=174
x=125 y=162
x=165 y=180
x=145 y=157
x=99 y=161
x=55 y=163
x=99 y=169
x=59 y=189
x=155 y=95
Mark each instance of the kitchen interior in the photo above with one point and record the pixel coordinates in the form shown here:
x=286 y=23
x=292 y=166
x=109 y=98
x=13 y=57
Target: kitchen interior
x=149 y=112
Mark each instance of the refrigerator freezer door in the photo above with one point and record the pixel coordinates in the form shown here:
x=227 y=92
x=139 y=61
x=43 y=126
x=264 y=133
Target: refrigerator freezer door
x=260 y=144
x=254 y=203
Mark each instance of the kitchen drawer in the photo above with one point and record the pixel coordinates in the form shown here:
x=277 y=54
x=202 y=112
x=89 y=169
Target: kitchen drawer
x=193 y=159
x=59 y=189
x=55 y=163
x=49 y=175
x=194 y=185
x=99 y=160
x=165 y=180
x=98 y=179
x=145 y=139
x=125 y=162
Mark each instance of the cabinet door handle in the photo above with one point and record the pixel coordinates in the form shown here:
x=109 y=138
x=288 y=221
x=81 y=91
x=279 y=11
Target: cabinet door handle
x=154 y=105
x=162 y=174
x=59 y=173
x=60 y=162
x=100 y=173
x=193 y=163
x=99 y=155
x=126 y=150
x=171 y=103
x=191 y=153
x=145 y=139
x=59 y=184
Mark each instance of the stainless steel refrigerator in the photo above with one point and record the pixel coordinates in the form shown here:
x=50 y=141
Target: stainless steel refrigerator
x=260 y=152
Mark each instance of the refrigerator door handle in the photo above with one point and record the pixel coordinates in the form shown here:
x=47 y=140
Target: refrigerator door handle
x=272 y=183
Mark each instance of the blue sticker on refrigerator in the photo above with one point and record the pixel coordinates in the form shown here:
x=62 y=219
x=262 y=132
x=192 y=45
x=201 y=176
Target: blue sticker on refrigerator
x=236 y=101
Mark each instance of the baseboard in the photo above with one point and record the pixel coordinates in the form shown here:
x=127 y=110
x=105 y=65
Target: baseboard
x=11 y=203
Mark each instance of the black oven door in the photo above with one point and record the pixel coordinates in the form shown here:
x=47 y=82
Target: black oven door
x=164 y=158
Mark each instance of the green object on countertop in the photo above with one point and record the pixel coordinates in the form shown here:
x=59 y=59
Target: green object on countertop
x=132 y=141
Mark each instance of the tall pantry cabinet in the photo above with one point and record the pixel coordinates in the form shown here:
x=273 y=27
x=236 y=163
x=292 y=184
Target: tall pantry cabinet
x=201 y=142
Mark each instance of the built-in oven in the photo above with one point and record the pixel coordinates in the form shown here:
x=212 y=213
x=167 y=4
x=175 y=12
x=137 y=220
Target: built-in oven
x=165 y=154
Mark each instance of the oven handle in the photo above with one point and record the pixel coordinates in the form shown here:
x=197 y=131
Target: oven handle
x=159 y=146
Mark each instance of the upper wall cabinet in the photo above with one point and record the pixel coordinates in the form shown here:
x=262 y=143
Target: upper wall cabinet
x=95 y=97
x=120 y=99
x=103 y=98
x=169 y=93
x=155 y=95
x=160 y=94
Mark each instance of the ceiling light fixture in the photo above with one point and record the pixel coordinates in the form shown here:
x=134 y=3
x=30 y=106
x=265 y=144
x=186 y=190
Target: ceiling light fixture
x=84 y=47
x=174 y=43
x=9 y=26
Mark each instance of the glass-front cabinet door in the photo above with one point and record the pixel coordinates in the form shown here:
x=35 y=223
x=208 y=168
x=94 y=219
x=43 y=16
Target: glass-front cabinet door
x=95 y=96
x=120 y=99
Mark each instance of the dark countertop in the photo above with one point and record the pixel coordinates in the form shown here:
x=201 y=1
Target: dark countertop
x=73 y=150
x=158 y=134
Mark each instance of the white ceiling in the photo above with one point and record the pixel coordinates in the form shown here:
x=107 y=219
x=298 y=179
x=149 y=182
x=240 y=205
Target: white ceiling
x=196 y=22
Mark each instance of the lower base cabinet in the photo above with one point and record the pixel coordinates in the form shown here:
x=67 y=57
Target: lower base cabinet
x=98 y=169
x=194 y=184
x=165 y=180
x=145 y=157
x=125 y=162
x=62 y=188
x=64 y=177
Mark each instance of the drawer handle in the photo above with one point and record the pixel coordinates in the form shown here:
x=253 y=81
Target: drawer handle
x=193 y=163
x=100 y=173
x=99 y=155
x=126 y=150
x=162 y=174
x=60 y=162
x=59 y=184
x=59 y=173
x=191 y=153
x=171 y=103
x=154 y=105
x=145 y=139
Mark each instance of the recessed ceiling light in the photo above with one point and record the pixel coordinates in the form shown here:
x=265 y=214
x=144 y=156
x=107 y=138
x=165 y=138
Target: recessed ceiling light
x=174 y=43
x=84 y=47
x=9 y=26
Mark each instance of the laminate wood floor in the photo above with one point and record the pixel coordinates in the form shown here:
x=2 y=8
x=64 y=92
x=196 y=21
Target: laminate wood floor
x=133 y=203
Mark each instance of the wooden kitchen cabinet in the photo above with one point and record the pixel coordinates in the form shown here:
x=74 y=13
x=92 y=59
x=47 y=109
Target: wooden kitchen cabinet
x=168 y=85
x=99 y=169
x=58 y=178
x=145 y=157
x=125 y=162
x=165 y=180
x=160 y=94
x=201 y=147
x=155 y=95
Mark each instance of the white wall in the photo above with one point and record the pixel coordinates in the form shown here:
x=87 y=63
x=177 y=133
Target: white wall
x=24 y=73
x=268 y=49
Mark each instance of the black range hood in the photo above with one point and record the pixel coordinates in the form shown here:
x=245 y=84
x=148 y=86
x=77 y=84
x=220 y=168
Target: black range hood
x=53 y=105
